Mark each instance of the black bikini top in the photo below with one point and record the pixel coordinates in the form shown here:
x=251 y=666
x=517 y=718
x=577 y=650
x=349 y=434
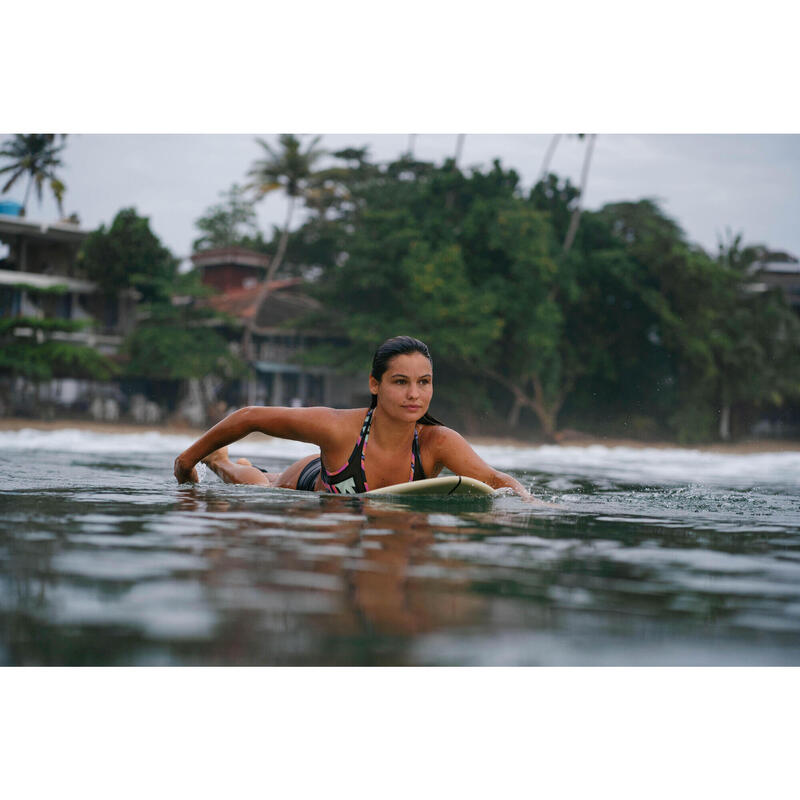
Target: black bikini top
x=352 y=477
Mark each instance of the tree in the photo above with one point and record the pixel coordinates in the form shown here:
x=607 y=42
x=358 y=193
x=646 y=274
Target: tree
x=175 y=343
x=726 y=344
x=462 y=260
x=129 y=255
x=289 y=168
x=229 y=223
x=459 y=148
x=37 y=156
x=757 y=338
x=170 y=342
x=576 y=211
x=544 y=170
x=631 y=320
x=42 y=354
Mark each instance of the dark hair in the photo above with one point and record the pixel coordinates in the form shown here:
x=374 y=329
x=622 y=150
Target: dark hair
x=398 y=346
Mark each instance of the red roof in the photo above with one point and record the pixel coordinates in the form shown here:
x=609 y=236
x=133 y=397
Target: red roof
x=242 y=303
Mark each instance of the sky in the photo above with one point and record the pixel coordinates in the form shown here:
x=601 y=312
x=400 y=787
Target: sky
x=706 y=182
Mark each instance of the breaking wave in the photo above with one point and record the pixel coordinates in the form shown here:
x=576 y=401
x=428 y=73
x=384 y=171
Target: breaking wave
x=662 y=466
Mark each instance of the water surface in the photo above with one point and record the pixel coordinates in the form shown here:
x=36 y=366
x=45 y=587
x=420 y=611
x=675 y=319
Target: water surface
x=651 y=557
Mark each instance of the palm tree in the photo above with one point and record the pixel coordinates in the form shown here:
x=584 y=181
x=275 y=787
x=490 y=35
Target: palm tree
x=459 y=147
x=37 y=156
x=576 y=212
x=289 y=168
x=548 y=156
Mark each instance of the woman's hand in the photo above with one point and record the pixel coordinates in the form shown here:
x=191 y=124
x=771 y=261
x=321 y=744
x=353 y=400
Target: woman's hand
x=315 y=425
x=184 y=470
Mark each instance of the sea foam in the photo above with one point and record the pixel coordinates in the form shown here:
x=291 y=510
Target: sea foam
x=672 y=466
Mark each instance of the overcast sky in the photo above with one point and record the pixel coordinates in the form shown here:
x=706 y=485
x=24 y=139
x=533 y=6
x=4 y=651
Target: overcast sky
x=707 y=183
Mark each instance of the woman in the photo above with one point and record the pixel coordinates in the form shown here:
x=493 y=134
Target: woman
x=396 y=440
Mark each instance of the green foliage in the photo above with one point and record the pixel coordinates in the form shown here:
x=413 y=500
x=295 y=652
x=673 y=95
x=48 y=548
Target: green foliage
x=41 y=355
x=37 y=156
x=168 y=349
x=693 y=423
x=177 y=342
x=68 y=325
x=227 y=224
x=725 y=345
x=57 y=289
x=129 y=255
x=287 y=167
x=633 y=321
x=291 y=169
x=171 y=342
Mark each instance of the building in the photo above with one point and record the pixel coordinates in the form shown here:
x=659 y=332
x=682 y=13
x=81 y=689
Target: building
x=39 y=279
x=228 y=268
x=783 y=274
x=268 y=328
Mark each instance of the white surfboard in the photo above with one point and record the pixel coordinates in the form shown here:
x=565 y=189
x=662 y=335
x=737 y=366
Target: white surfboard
x=447 y=485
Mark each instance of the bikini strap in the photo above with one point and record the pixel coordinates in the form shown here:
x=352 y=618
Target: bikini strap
x=414 y=451
x=365 y=436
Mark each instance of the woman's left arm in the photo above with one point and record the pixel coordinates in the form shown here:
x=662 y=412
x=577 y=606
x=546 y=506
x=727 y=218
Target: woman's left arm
x=451 y=450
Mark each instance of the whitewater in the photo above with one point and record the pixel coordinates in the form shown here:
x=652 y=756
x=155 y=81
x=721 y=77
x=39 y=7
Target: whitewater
x=668 y=466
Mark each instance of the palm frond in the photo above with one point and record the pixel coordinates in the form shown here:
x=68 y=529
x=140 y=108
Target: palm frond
x=36 y=154
x=13 y=179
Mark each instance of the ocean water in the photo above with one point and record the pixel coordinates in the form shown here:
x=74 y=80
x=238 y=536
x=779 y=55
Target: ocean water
x=647 y=557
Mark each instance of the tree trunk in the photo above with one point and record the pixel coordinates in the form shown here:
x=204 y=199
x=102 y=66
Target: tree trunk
x=576 y=213
x=725 y=422
x=264 y=288
x=548 y=156
x=547 y=420
x=282 y=244
x=459 y=147
x=513 y=415
x=27 y=193
x=547 y=413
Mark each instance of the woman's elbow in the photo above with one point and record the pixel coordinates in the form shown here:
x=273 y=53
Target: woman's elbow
x=243 y=420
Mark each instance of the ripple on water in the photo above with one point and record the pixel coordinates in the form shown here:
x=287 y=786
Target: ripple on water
x=124 y=566
x=649 y=558
x=172 y=610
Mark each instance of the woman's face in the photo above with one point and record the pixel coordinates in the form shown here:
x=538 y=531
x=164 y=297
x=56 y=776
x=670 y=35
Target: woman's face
x=406 y=388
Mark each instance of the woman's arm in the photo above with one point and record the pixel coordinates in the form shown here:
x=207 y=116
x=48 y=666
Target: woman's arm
x=314 y=425
x=452 y=451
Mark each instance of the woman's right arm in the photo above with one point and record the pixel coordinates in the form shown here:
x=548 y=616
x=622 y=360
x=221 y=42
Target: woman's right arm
x=314 y=425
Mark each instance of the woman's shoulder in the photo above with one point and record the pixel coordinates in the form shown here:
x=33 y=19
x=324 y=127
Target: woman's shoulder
x=318 y=424
x=347 y=422
x=438 y=435
x=350 y=413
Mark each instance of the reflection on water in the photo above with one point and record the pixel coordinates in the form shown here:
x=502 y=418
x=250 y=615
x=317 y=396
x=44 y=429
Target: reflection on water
x=107 y=561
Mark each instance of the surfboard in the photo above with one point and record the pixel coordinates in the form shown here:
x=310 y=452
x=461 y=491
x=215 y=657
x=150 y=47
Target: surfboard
x=446 y=485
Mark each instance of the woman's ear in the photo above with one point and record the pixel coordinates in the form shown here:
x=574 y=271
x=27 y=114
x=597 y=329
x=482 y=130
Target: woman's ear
x=373 y=385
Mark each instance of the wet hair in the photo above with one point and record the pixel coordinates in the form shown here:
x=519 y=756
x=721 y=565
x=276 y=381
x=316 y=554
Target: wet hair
x=398 y=346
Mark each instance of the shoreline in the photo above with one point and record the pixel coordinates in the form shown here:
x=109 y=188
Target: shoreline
x=743 y=447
